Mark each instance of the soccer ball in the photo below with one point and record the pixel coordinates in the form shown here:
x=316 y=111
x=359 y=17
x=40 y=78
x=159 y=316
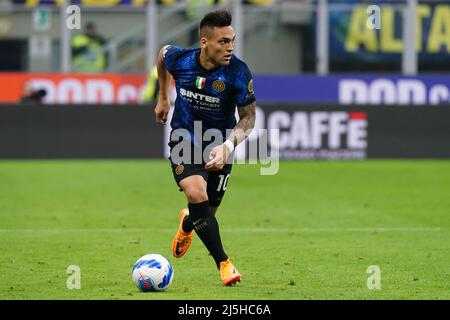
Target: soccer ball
x=152 y=272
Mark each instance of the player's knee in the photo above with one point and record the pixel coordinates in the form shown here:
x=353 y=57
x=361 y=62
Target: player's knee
x=196 y=195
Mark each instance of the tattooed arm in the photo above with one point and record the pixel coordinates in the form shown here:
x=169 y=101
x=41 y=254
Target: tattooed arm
x=219 y=155
x=245 y=125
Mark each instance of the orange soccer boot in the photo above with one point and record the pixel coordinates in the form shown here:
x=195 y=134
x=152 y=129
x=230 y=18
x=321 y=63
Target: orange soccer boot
x=182 y=240
x=228 y=273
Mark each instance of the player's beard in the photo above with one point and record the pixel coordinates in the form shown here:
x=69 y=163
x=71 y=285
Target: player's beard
x=216 y=58
x=221 y=60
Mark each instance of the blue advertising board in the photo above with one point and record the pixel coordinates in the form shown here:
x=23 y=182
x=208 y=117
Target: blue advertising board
x=354 y=89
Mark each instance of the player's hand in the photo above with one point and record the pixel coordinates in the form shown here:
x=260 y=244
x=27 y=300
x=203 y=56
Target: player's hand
x=161 y=111
x=218 y=158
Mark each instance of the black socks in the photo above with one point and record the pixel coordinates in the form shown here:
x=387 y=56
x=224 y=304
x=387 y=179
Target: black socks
x=188 y=226
x=207 y=229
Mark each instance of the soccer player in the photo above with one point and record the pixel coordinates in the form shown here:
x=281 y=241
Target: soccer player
x=210 y=82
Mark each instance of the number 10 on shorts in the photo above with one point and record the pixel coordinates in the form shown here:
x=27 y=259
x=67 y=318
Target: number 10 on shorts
x=223 y=182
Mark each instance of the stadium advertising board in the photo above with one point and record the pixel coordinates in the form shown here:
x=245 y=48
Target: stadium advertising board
x=86 y=3
x=318 y=134
x=333 y=89
x=304 y=132
x=79 y=132
x=355 y=89
x=351 y=39
x=359 y=132
x=74 y=88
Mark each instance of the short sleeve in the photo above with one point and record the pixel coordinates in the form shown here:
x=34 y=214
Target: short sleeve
x=170 y=56
x=245 y=92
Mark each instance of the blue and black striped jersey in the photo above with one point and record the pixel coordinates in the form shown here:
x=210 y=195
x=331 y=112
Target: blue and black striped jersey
x=210 y=96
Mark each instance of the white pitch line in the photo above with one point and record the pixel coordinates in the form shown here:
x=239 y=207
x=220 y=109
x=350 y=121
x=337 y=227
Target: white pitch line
x=306 y=230
x=232 y=230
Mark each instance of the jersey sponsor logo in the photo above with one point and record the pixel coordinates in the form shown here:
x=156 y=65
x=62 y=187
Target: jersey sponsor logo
x=218 y=85
x=200 y=82
x=198 y=96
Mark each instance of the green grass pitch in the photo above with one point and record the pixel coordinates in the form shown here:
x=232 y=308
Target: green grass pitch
x=309 y=232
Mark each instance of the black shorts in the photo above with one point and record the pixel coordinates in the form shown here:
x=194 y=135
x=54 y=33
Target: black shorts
x=216 y=181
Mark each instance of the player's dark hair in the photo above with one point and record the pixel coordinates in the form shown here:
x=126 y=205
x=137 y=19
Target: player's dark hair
x=218 y=18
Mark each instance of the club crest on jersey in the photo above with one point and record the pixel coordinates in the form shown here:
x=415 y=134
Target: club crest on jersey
x=200 y=82
x=179 y=169
x=218 y=85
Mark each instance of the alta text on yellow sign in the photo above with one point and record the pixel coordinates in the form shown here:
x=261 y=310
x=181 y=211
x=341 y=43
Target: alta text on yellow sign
x=359 y=36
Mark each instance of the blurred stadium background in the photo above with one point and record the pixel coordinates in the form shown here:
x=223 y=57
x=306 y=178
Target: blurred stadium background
x=301 y=52
x=336 y=89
